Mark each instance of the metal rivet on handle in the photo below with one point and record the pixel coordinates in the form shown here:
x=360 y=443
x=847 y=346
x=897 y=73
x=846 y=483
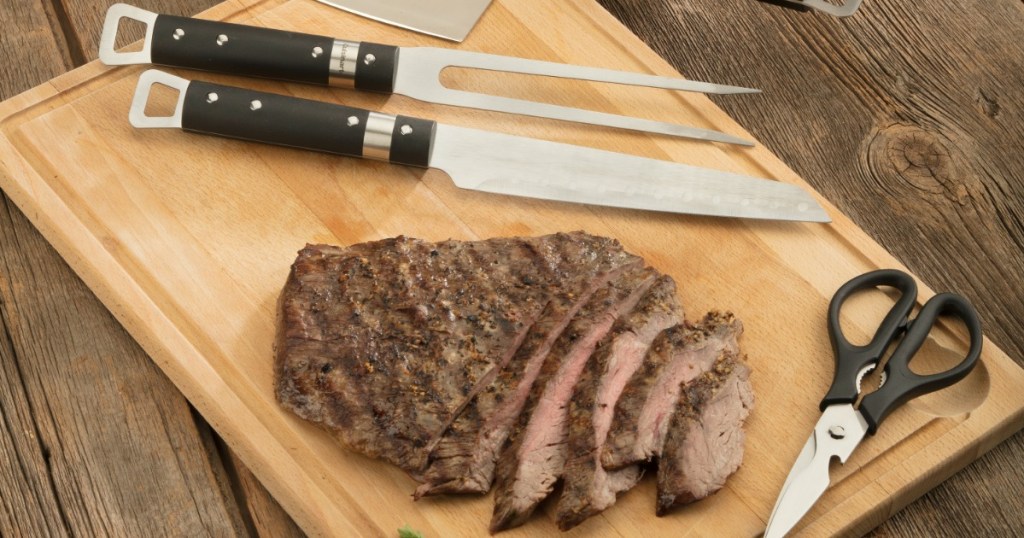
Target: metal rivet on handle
x=405 y=130
x=837 y=432
x=317 y=51
x=211 y=97
x=352 y=121
x=178 y=34
x=255 y=105
x=221 y=39
x=369 y=59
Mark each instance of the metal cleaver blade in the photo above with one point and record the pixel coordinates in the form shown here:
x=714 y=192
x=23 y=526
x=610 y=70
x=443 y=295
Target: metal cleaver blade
x=448 y=19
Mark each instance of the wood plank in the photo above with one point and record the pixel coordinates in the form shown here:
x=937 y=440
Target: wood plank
x=34 y=510
x=33 y=50
x=99 y=432
x=889 y=106
x=94 y=438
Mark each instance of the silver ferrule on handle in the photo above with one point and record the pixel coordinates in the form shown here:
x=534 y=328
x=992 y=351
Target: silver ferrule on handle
x=344 y=55
x=377 y=139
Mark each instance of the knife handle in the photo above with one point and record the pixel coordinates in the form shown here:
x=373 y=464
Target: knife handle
x=233 y=112
x=253 y=51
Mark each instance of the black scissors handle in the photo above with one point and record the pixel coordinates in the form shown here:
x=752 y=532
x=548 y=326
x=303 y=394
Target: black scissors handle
x=901 y=383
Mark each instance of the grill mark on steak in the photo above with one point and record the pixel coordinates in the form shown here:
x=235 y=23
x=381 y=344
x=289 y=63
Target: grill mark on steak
x=529 y=467
x=383 y=342
x=644 y=410
x=587 y=487
x=705 y=441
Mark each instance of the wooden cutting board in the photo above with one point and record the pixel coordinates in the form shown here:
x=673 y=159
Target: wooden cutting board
x=188 y=239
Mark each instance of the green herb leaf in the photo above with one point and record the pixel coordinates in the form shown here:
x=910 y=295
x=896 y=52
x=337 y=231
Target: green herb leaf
x=408 y=532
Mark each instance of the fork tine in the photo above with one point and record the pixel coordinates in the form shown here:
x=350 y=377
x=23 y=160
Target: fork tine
x=490 y=62
x=419 y=78
x=481 y=101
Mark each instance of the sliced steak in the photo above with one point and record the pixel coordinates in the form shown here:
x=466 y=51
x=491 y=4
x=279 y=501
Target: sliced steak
x=529 y=467
x=462 y=460
x=644 y=410
x=705 y=441
x=384 y=343
x=587 y=487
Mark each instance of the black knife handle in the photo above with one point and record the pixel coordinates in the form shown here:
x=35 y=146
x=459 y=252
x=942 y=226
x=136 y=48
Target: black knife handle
x=290 y=121
x=254 y=51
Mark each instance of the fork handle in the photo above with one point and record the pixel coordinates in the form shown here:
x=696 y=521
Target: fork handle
x=254 y=51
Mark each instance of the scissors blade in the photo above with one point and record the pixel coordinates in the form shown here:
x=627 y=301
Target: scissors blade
x=837 y=433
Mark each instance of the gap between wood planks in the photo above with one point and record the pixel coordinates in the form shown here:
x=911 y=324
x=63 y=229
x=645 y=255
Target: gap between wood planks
x=62 y=26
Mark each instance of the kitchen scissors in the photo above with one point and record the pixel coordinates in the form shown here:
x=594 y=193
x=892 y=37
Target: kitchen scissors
x=842 y=426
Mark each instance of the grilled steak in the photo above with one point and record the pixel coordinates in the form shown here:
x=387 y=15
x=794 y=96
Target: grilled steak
x=528 y=469
x=677 y=356
x=383 y=343
x=515 y=361
x=587 y=488
x=704 y=444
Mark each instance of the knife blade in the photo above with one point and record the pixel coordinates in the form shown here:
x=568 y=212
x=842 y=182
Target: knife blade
x=447 y=19
x=474 y=159
x=411 y=71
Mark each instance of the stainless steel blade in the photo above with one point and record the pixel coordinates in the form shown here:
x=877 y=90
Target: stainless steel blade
x=837 y=433
x=518 y=166
x=419 y=76
x=448 y=19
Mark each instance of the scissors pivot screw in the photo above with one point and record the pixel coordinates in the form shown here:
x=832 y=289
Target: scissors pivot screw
x=837 y=432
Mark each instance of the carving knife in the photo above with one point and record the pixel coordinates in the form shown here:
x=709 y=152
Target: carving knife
x=411 y=71
x=447 y=19
x=474 y=159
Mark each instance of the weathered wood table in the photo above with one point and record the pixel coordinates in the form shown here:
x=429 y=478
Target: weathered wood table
x=908 y=116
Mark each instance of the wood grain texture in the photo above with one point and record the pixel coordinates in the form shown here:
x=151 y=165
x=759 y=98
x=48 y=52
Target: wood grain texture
x=95 y=440
x=91 y=425
x=909 y=117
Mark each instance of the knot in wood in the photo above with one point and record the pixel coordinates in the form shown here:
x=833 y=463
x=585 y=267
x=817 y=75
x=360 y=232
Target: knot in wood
x=923 y=160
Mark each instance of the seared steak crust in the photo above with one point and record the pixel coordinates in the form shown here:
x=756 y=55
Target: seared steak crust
x=384 y=342
x=644 y=410
x=588 y=489
x=705 y=441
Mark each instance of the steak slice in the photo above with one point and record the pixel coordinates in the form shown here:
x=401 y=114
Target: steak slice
x=462 y=460
x=587 y=487
x=705 y=441
x=529 y=467
x=644 y=410
x=384 y=342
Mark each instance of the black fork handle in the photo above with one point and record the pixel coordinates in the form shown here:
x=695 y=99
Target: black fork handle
x=268 y=53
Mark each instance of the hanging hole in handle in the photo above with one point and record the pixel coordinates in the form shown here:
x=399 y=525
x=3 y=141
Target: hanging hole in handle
x=158 y=87
x=110 y=52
